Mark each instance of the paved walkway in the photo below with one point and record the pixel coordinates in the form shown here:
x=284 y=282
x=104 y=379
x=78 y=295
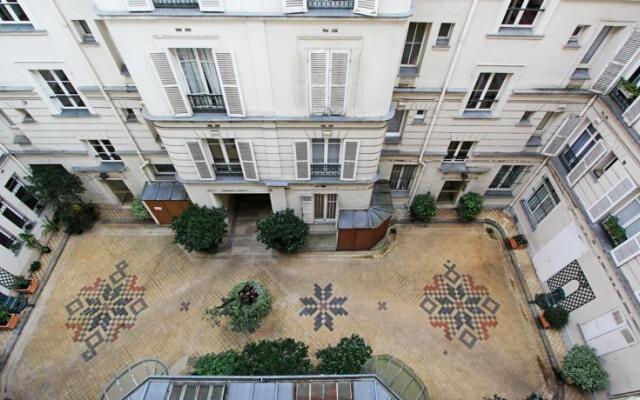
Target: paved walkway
x=475 y=340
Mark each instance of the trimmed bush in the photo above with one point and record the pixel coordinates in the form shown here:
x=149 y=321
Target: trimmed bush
x=77 y=217
x=283 y=231
x=138 y=209
x=276 y=357
x=200 y=228
x=557 y=316
x=347 y=357
x=217 y=364
x=582 y=369
x=470 y=206
x=423 y=207
x=246 y=305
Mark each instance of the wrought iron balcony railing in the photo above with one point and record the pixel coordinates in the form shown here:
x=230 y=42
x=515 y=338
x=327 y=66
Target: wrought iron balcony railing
x=211 y=103
x=325 y=169
x=622 y=95
x=339 y=4
x=231 y=169
x=176 y=3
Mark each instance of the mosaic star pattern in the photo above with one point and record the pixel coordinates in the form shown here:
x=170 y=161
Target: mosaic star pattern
x=323 y=306
x=459 y=307
x=102 y=310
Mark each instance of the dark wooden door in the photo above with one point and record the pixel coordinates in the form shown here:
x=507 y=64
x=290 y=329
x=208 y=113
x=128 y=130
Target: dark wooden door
x=159 y=211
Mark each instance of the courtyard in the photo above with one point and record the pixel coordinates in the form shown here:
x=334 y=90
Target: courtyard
x=474 y=341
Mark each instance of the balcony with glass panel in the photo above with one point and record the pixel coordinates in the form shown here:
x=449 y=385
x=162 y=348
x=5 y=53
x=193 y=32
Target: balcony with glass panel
x=230 y=169
x=325 y=170
x=330 y=4
x=207 y=103
x=176 y=3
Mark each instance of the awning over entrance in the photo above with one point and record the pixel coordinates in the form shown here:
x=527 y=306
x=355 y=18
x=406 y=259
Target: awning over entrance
x=164 y=191
x=380 y=210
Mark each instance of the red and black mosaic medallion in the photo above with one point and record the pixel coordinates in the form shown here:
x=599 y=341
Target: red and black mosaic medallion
x=460 y=307
x=102 y=310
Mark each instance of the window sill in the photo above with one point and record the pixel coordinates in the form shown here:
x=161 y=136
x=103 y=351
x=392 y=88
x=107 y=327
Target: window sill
x=75 y=114
x=440 y=47
x=469 y=114
x=524 y=124
x=409 y=71
x=515 y=33
x=392 y=139
x=19 y=28
x=580 y=75
x=419 y=122
x=570 y=46
x=399 y=194
x=86 y=42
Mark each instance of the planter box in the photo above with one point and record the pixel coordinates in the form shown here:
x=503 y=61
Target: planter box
x=544 y=322
x=31 y=289
x=514 y=245
x=11 y=324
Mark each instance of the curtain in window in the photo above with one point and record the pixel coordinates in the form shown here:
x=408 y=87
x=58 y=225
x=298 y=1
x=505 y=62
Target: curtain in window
x=209 y=69
x=189 y=65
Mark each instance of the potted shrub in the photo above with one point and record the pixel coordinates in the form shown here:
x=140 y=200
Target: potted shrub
x=49 y=226
x=35 y=266
x=423 y=207
x=347 y=357
x=470 y=206
x=200 y=228
x=138 y=209
x=246 y=305
x=77 y=217
x=8 y=321
x=582 y=369
x=616 y=233
x=554 y=317
x=517 y=242
x=283 y=231
x=25 y=285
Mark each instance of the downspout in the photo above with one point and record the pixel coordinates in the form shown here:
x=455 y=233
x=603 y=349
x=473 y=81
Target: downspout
x=546 y=159
x=96 y=76
x=445 y=87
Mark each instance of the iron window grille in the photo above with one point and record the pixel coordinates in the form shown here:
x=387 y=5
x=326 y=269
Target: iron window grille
x=176 y=3
x=336 y=4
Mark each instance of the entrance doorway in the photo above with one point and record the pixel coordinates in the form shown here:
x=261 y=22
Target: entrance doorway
x=450 y=191
x=247 y=210
x=120 y=190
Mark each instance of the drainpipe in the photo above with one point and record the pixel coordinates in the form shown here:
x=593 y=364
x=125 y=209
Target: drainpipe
x=546 y=159
x=96 y=76
x=445 y=87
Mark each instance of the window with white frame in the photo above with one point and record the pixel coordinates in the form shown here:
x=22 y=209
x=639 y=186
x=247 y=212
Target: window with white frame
x=199 y=70
x=7 y=240
x=226 y=161
x=574 y=152
x=130 y=115
x=458 y=151
x=401 y=177
x=12 y=214
x=164 y=171
x=17 y=188
x=83 y=30
x=629 y=217
x=542 y=201
x=420 y=116
x=105 y=150
x=324 y=207
x=576 y=36
x=522 y=13
x=416 y=36
x=396 y=125
x=485 y=92
x=61 y=89
x=325 y=157
x=505 y=180
x=11 y=12
x=444 y=34
x=597 y=43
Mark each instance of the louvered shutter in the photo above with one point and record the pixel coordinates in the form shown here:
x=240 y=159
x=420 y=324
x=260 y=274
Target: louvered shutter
x=200 y=161
x=632 y=113
x=230 y=83
x=366 y=7
x=140 y=5
x=339 y=77
x=307 y=209
x=614 y=68
x=318 y=81
x=294 y=6
x=165 y=73
x=211 y=5
x=611 y=198
x=587 y=162
x=301 y=155
x=350 y=160
x=561 y=135
x=627 y=250
x=607 y=333
x=247 y=159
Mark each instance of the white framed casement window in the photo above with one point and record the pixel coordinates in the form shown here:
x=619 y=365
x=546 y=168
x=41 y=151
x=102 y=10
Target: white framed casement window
x=200 y=73
x=522 y=13
x=105 y=150
x=541 y=201
x=414 y=44
x=505 y=180
x=396 y=126
x=61 y=90
x=12 y=214
x=328 y=74
x=608 y=333
x=83 y=31
x=629 y=217
x=444 y=34
x=401 y=177
x=11 y=12
x=458 y=151
x=325 y=207
x=419 y=117
x=485 y=93
x=575 y=40
x=16 y=187
x=224 y=153
x=574 y=152
x=325 y=157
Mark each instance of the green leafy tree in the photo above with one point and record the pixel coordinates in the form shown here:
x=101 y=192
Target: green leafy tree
x=283 y=231
x=200 y=228
x=52 y=184
x=246 y=305
x=275 y=357
x=224 y=363
x=582 y=369
x=470 y=206
x=347 y=357
x=423 y=207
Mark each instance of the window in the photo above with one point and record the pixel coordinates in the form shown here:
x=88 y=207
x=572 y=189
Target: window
x=573 y=153
x=606 y=164
x=7 y=240
x=545 y=120
x=11 y=12
x=129 y=115
x=419 y=117
x=15 y=186
x=596 y=44
x=105 y=150
x=7 y=120
x=84 y=32
x=413 y=44
x=522 y=13
x=12 y=215
x=401 y=177
x=325 y=157
x=450 y=191
x=629 y=217
x=526 y=118
x=61 y=89
x=485 y=92
x=396 y=124
x=328 y=76
x=164 y=171
x=226 y=161
x=505 y=180
x=542 y=201
x=458 y=151
x=26 y=116
x=444 y=34
x=574 y=39
x=324 y=207
x=198 y=67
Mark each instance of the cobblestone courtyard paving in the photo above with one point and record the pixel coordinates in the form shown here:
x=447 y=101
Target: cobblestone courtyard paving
x=444 y=300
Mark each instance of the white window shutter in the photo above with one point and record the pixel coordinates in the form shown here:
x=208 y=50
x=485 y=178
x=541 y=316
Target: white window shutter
x=140 y=5
x=211 y=5
x=607 y=333
x=350 y=152
x=627 y=250
x=294 y=6
x=632 y=113
x=339 y=77
x=247 y=159
x=616 y=66
x=200 y=161
x=610 y=199
x=587 y=162
x=301 y=159
x=318 y=81
x=165 y=73
x=230 y=83
x=366 y=7
x=307 y=209
x=561 y=135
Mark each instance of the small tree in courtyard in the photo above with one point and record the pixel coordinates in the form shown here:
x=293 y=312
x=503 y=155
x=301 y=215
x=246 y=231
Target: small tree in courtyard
x=347 y=357
x=423 y=207
x=52 y=184
x=246 y=305
x=200 y=228
x=582 y=369
x=470 y=206
x=283 y=231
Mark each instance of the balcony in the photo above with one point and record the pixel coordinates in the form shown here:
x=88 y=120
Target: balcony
x=207 y=103
x=331 y=4
x=231 y=169
x=624 y=94
x=325 y=170
x=176 y=3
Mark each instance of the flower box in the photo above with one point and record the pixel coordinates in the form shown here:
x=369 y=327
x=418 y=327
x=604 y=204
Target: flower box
x=11 y=323
x=31 y=289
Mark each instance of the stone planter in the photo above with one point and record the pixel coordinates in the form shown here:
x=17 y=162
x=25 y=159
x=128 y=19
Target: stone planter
x=515 y=245
x=11 y=324
x=31 y=289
